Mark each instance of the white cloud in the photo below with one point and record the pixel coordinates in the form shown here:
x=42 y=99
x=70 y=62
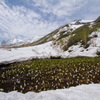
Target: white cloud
x=59 y=8
x=92 y=9
x=43 y=16
x=19 y=20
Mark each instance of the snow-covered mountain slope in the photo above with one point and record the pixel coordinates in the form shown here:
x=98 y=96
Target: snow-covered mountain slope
x=19 y=42
x=90 y=51
x=82 y=92
x=78 y=38
x=17 y=54
x=68 y=28
x=47 y=50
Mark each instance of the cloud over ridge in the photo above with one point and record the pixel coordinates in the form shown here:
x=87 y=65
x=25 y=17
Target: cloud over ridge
x=40 y=17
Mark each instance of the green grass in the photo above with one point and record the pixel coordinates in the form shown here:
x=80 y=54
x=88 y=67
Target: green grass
x=62 y=35
x=49 y=74
x=81 y=35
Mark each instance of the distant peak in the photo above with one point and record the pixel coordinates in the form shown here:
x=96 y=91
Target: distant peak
x=81 y=21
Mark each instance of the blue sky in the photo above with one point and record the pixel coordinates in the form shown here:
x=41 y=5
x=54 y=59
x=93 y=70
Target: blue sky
x=29 y=18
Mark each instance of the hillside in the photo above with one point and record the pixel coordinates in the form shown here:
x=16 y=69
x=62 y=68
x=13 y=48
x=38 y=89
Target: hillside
x=78 y=38
x=27 y=68
x=80 y=35
x=62 y=32
x=72 y=33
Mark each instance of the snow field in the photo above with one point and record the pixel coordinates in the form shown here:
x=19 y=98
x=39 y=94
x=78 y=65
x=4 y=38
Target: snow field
x=82 y=92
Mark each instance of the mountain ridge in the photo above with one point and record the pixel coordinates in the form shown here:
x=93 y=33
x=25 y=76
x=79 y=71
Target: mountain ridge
x=42 y=39
x=78 y=38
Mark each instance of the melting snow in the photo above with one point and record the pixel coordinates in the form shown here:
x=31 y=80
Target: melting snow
x=83 y=92
x=48 y=49
x=78 y=50
x=86 y=21
x=96 y=40
x=41 y=51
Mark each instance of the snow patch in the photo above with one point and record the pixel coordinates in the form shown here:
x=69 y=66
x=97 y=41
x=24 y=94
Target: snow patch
x=18 y=42
x=40 y=51
x=86 y=21
x=75 y=26
x=82 y=92
x=95 y=41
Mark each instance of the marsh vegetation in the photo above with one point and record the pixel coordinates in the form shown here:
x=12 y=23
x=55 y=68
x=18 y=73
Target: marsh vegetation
x=48 y=74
